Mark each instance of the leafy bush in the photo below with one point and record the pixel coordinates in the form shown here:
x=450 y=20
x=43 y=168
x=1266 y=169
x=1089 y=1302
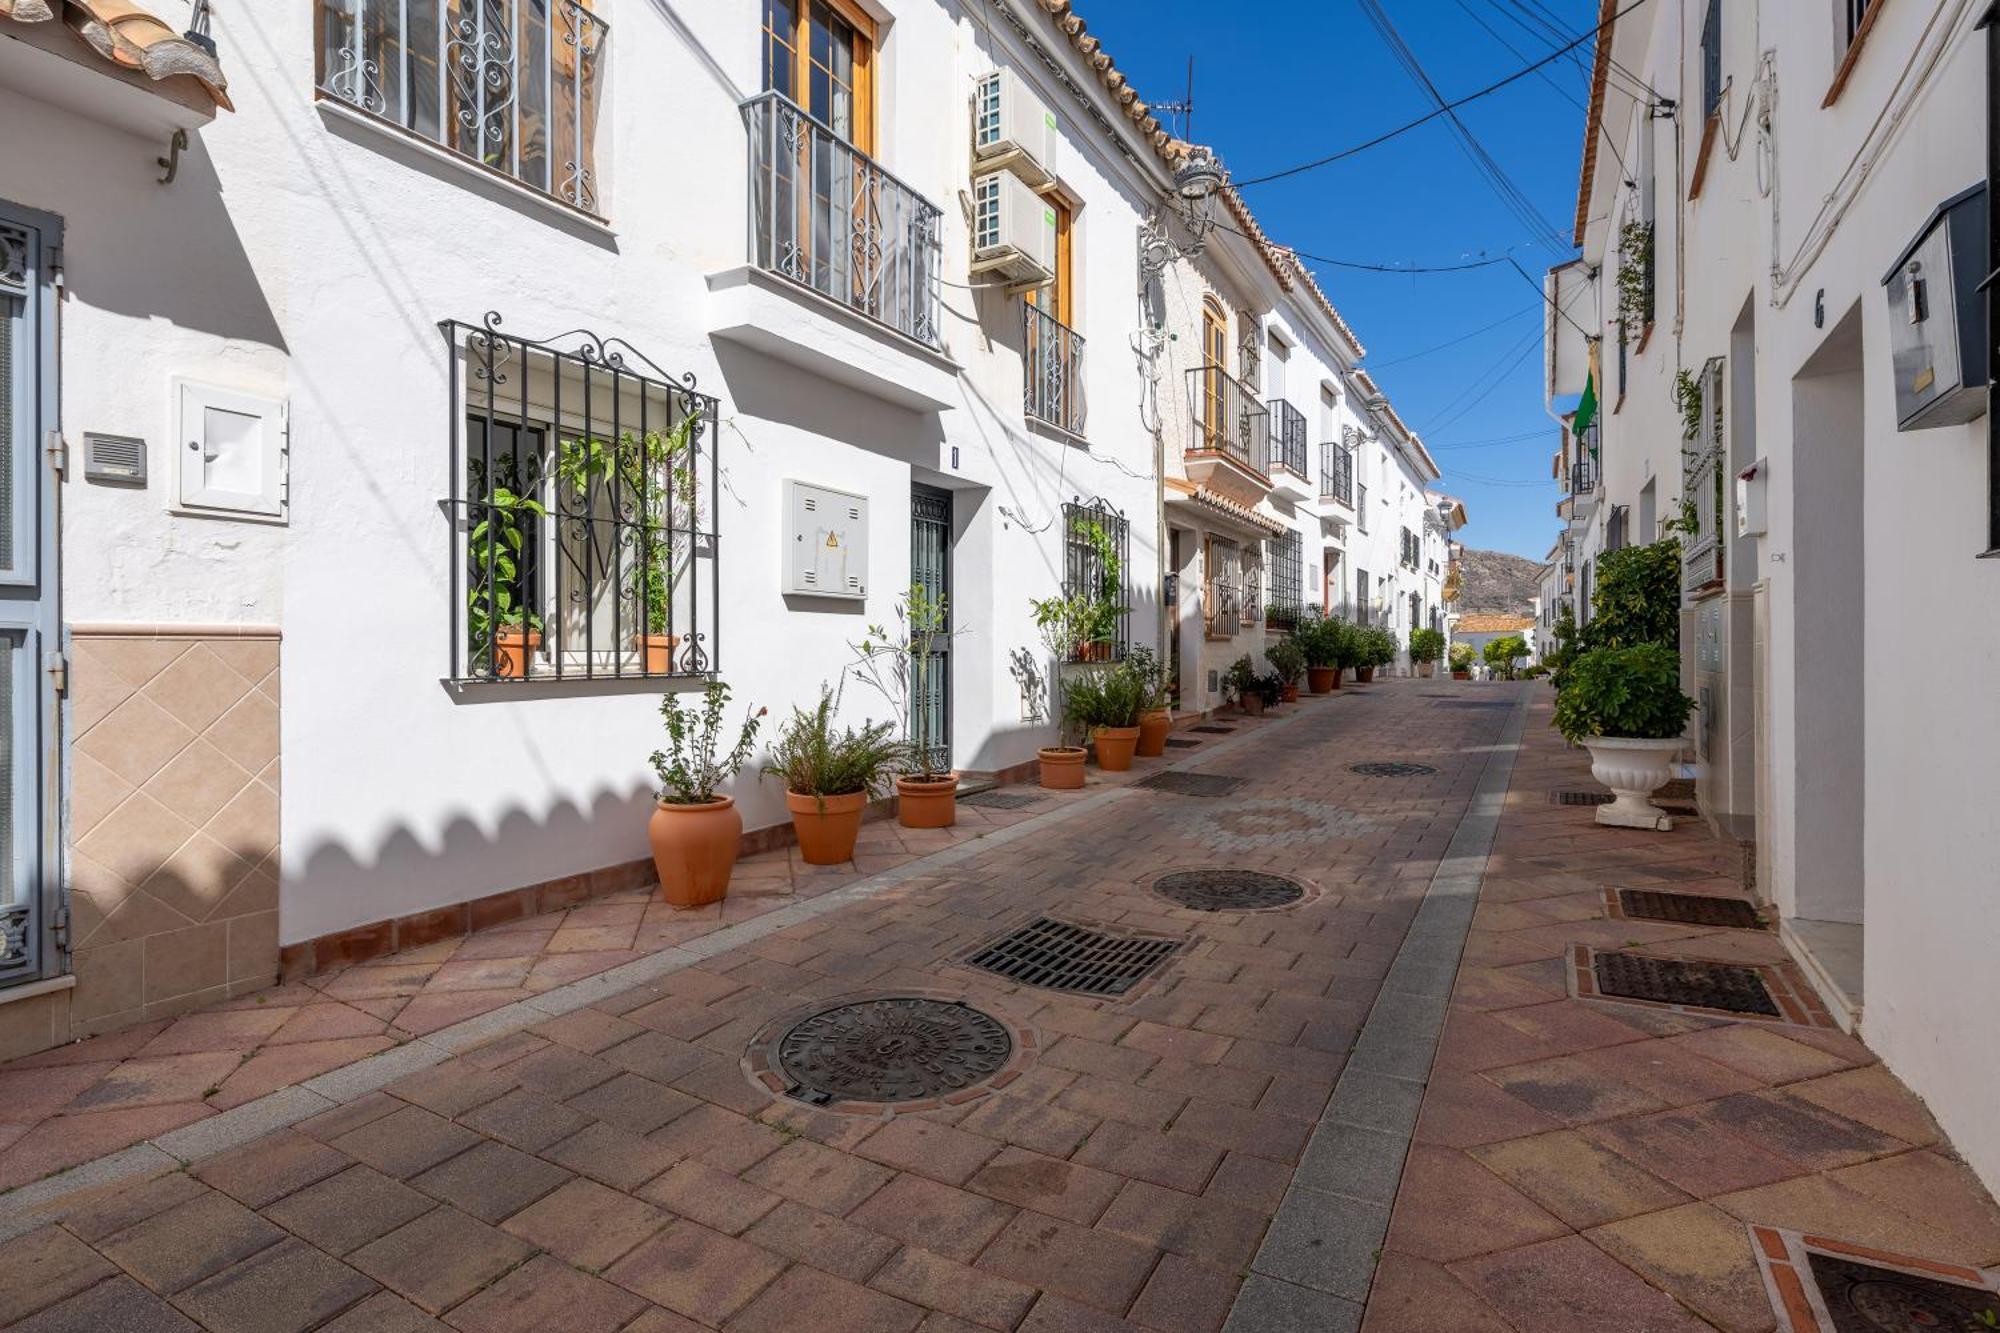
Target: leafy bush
x=1377 y=646
x=1319 y=637
x=1569 y=642
x=1151 y=674
x=1624 y=692
x=814 y=760
x=1461 y=657
x=1240 y=679
x=1637 y=598
x=1288 y=659
x=1426 y=645
x=1095 y=699
x=689 y=769
x=1503 y=652
x=1270 y=688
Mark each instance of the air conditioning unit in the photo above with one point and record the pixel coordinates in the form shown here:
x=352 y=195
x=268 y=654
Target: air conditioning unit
x=1013 y=231
x=1012 y=130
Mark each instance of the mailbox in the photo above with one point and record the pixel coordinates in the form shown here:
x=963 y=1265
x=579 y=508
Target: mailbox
x=1937 y=327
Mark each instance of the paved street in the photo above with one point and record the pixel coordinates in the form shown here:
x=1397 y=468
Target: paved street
x=1314 y=1117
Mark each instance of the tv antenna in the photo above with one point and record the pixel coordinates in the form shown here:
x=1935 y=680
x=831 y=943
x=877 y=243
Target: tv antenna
x=1183 y=109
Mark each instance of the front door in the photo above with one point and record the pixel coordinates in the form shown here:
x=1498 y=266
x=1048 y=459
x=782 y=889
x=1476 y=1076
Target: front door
x=29 y=887
x=930 y=578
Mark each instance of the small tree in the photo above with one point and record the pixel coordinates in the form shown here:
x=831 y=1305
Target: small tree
x=1503 y=652
x=1637 y=598
x=1461 y=657
x=1426 y=645
x=901 y=668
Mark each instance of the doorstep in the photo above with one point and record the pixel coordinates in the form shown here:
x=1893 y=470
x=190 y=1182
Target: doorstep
x=1829 y=953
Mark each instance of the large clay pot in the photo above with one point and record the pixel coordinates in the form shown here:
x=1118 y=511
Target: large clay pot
x=827 y=825
x=927 y=802
x=1115 y=747
x=658 y=651
x=1633 y=769
x=1461 y=675
x=512 y=649
x=1364 y=675
x=1062 y=766
x=1322 y=680
x=1252 y=705
x=694 y=849
x=1289 y=694
x=1155 y=726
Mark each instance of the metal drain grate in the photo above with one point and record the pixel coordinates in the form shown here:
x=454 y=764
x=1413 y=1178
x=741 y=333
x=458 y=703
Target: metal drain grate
x=1582 y=797
x=1057 y=955
x=1865 y=1297
x=1181 y=743
x=1386 y=770
x=1687 y=909
x=1191 y=784
x=1228 y=890
x=1725 y=986
x=897 y=1049
x=1212 y=730
x=999 y=800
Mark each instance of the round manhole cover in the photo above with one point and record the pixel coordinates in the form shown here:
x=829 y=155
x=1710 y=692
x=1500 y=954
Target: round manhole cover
x=1228 y=890
x=888 y=1051
x=1388 y=770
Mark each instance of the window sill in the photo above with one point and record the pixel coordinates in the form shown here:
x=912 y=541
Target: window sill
x=1853 y=56
x=1049 y=429
x=442 y=161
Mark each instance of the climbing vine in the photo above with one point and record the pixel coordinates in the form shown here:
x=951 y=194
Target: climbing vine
x=1635 y=274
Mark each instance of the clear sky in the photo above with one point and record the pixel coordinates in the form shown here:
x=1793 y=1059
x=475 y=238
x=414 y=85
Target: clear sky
x=1281 y=82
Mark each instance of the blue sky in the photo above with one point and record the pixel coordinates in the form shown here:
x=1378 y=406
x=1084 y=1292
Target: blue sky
x=1277 y=84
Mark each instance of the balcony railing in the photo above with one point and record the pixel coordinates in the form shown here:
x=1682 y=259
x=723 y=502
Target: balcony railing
x=1336 y=474
x=1052 y=370
x=826 y=215
x=1584 y=474
x=1228 y=419
x=1288 y=439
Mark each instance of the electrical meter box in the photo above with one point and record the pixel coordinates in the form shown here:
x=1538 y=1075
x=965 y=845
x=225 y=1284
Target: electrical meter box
x=1936 y=320
x=826 y=542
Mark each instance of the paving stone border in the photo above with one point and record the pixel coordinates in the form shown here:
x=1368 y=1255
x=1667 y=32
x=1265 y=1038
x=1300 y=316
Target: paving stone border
x=1316 y=1263
x=32 y=1205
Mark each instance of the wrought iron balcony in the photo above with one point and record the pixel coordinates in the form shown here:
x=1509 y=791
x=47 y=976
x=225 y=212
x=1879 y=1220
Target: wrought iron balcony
x=1288 y=439
x=1336 y=474
x=1051 y=369
x=1584 y=474
x=1229 y=422
x=826 y=215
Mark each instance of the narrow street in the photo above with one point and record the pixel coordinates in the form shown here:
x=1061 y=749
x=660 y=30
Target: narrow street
x=1378 y=1107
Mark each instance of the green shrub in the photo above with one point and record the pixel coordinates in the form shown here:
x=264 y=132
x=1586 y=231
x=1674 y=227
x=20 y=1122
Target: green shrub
x=1112 y=698
x=1240 y=679
x=1637 y=598
x=1288 y=659
x=1323 y=639
x=1271 y=688
x=1503 y=652
x=1569 y=642
x=1461 y=657
x=1151 y=675
x=815 y=760
x=1377 y=646
x=1426 y=645
x=1624 y=692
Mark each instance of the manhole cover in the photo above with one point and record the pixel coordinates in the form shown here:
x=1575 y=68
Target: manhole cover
x=1213 y=730
x=897 y=1049
x=1228 y=890
x=1057 y=955
x=1688 y=909
x=1181 y=743
x=999 y=800
x=1391 y=770
x=1725 y=986
x=1863 y=1298
x=1191 y=784
x=1582 y=797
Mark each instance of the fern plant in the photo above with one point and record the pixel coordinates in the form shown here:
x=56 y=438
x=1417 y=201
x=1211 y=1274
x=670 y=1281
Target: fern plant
x=814 y=759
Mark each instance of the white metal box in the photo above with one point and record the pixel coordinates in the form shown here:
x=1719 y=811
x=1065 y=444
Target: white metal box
x=1753 y=500
x=826 y=542
x=1013 y=230
x=1936 y=320
x=1011 y=128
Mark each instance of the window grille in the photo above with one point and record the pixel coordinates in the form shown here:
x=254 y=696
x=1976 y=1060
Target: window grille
x=515 y=85
x=1855 y=12
x=1361 y=597
x=1221 y=604
x=1361 y=505
x=581 y=488
x=1287 y=598
x=1253 y=585
x=1711 y=60
x=1097 y=568
x=1702 y=483
x=1336 y=474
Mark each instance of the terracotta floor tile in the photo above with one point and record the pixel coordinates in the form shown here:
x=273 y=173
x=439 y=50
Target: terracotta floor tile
x=1824 y=1207
x=805 y=1298
x=1449 y=1207
x=1462 y=1109
x=1766 y=1055
x=1702 y=1257
x=67 y=1140
x=696 y=1272
x=1938 y=1191
x=276 y=1067
x=157 y=1080
x=545 y=1293
x=1093 y=1268
x=1413 y=1295
x=841 y=1247
x=1874 y=1097
x=1577 y=1180
x=1571 y=1286
x=1687 y=1150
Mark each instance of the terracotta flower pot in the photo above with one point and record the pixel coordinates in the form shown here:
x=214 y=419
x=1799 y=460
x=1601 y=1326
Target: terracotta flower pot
x=658 y=651
x=1062 y=766
x=1154 y=727
x=1115 y=747
x=1461 y=675
x=827 y=825
x=511 y=650
x=927 y=802
x=1364 y=675
x=694 y=849
x=1322 y=680
x=1252 y=705
x=1290 y=695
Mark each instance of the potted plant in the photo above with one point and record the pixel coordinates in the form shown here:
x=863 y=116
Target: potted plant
x=1461 y=661
x=1369 y=651
x=829 y=777
x=1105 y=606
x=1320 y=636
x=1060 y=621
x=1104 y=706
x=1271 y=689
x=1426 y=647
x=1288 y=659
x=1503 y=652
x=1626 y=706
x=1156 y=718
x=901 y=667
x=694 y=832
x=1239 y=684
x=505 y=634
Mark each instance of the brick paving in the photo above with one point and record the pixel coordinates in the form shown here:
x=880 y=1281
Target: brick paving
x=616 y=1169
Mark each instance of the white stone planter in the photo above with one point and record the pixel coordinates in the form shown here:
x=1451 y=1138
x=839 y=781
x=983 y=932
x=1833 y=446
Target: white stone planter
x=1634 y=770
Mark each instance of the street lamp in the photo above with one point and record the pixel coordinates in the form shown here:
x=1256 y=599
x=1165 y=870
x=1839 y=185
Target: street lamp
x=1197 y=183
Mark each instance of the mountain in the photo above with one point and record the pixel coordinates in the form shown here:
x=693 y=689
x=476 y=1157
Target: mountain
x=1497 y=583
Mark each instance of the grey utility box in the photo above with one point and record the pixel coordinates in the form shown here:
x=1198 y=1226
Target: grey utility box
x=826 y=542
x=1937 y=321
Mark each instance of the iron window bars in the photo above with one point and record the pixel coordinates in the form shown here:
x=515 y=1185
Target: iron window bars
x=579 y=487
x=1287 y=599
x=1411 y=550
x=1221 y=598
x=1288 y=438
x=1361 y=604
x=1228 y=419
x=826 y=215
x=513 y=85
x=1711 y=60
x=1361 y=505
x=1051 y=370
x=1336 y=474
x=1702 y=481
x=1097 y=564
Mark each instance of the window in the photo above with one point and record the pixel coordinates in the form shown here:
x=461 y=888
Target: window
x=1711 y=60
x=1361 y=597
x=1854 y=16
x=821 y=55
x=1051 y=349
x=513 y=85
x=1221 y=608
x=1097 y=568
x=1287 y=582
x=580 y=489
x=1416 y=610
x=1329 y=400
x=1361 y=505
x=1214 y=365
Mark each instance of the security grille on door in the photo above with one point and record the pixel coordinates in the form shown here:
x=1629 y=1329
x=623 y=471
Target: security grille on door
x=1702 y=460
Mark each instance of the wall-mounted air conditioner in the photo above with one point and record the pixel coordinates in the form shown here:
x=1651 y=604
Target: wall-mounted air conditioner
x=1011 y=129
x=1013 y=231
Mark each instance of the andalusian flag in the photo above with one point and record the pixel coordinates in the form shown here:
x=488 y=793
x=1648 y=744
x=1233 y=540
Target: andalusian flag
x=1586 y=406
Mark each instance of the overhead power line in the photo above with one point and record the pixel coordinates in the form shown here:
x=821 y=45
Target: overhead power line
x=1373 y=365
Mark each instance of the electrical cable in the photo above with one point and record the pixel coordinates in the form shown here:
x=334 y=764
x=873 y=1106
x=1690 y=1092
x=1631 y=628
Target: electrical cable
x=1372 y=366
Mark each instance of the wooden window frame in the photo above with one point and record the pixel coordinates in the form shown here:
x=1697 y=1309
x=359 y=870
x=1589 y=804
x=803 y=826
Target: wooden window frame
x=1063 y=286
x=1852 y=55
x=867 y=38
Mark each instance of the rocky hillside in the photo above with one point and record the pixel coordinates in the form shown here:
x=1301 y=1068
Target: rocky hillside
x=1497 y=583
